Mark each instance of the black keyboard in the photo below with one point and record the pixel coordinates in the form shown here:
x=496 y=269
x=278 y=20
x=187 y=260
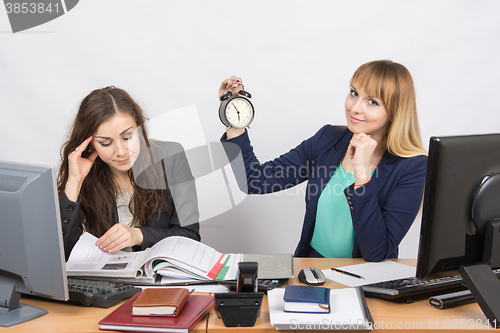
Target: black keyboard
x=268 y=284
x=398 y=288
x=263 y=284
x=101 y=294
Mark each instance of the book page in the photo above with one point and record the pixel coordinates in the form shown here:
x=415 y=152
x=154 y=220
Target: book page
x=86 y=259
x=185 y=253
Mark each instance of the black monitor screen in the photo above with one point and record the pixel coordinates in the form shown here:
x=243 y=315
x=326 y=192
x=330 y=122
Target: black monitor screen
x=457 y=166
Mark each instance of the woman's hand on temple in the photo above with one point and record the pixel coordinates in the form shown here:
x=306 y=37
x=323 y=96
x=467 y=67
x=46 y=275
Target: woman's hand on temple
x=78 y=168
x=119 y=237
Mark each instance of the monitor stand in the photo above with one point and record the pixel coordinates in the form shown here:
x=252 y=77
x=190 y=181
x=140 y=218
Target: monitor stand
x=11 y=311
x=480 y=279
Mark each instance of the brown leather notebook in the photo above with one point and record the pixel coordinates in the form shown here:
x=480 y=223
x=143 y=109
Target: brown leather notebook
x=160 y=302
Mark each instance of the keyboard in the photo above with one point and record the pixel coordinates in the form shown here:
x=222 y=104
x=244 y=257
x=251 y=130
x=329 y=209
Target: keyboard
x=263 y=284
x=268 y=284
x=398 y=288
x=101 y=294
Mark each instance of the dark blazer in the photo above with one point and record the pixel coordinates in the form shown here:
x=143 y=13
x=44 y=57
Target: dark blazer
x=181 y=220
x=382 y=211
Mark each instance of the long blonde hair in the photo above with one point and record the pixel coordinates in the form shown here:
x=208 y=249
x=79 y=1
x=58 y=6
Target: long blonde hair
x=393 y=84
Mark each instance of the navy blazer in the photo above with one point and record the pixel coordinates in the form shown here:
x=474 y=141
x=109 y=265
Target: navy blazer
x=382 y=210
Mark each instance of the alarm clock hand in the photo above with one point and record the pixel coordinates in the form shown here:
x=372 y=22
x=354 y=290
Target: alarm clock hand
x=237 y=111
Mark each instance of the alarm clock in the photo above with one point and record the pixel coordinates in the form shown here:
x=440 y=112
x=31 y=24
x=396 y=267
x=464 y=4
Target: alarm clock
x=236 y=110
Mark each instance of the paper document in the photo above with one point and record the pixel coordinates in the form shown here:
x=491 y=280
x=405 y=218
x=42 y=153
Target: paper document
x=87 y=257
x=372 y=272
x=200 y=288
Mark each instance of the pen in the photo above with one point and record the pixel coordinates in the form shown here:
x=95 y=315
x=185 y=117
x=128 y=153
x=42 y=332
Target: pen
x=347 y=273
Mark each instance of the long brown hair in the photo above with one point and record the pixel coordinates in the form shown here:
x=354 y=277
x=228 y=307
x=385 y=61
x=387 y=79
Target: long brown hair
x=99 y=188
x=393 y=84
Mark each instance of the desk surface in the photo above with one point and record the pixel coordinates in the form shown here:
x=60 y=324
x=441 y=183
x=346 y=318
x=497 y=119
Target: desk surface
x=387 y=315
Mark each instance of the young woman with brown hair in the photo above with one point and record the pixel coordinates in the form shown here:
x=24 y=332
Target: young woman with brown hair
x=113 y=180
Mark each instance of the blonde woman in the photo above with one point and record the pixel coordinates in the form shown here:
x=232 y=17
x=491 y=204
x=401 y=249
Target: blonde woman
x=365 y=181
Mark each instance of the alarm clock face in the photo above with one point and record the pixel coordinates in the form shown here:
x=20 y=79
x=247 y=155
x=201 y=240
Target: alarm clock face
x=239 y=112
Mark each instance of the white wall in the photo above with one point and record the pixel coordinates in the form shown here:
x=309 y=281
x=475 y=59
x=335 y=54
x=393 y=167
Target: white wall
x=296 y=58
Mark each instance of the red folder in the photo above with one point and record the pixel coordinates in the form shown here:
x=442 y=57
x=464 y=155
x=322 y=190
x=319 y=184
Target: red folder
x=121 y=319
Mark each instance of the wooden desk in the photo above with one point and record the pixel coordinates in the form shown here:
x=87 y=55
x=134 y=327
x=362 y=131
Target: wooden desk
x=67 y=317
x=388 y=315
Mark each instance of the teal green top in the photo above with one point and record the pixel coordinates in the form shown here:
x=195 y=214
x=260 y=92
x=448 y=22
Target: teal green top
x=333 y=235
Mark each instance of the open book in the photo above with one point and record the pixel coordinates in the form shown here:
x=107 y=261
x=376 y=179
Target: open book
x=178 y=257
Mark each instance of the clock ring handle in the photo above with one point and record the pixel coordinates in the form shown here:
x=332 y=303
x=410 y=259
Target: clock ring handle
x=228 y=94
x=245 y=93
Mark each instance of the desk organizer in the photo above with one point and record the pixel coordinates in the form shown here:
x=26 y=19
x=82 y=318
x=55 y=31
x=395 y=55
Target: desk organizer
x=238 y=309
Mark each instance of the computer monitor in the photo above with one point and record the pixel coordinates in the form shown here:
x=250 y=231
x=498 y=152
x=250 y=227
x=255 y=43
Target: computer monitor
x=461 y=214
x=31 y=246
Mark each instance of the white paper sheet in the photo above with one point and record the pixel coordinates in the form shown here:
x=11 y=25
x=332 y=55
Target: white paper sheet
x=372 y=272
x=86 y=257
x=202 y=288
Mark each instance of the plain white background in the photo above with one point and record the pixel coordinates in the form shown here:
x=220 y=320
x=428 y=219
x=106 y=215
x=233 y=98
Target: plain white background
x=296 y=58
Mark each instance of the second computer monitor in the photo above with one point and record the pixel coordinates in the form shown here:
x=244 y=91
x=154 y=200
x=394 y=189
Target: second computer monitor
x=457 y=167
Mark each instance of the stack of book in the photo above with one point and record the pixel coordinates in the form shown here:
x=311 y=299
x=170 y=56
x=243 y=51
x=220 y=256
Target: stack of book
x=159 y=310
x=317 y=308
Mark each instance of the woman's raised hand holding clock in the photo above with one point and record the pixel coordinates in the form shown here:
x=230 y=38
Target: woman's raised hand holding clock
x=234 y=85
